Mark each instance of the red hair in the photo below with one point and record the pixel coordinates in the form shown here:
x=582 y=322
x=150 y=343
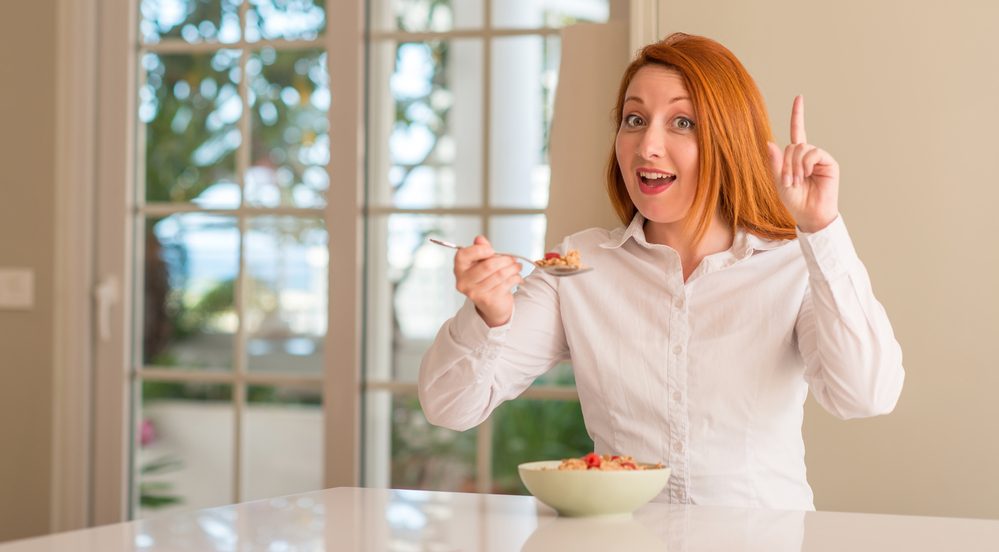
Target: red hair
x=732 y=131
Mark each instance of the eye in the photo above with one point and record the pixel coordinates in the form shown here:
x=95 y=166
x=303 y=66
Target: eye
x=631 y=121
x=683 y=123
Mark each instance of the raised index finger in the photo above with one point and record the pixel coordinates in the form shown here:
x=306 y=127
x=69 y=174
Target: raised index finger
x=798 y=121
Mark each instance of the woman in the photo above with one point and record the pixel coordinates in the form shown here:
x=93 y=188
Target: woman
x=732 y=290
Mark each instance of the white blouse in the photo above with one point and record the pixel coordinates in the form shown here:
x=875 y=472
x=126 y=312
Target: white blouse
x=708 y=376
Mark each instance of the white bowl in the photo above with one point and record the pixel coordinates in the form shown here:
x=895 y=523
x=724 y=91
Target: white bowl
x=591 y=492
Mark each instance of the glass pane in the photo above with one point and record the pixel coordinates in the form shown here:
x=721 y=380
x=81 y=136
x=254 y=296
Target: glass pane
x=189 y=105
x=548 y=13
x=287 y=268
x=189 y=20
x=283 y=440
x=191 y=262
x=426 y=136
x=184 y=459
x=410 y=288
x=285 y=19
x=403 y=451
x=520 y=235
x=289 y=99
x=527 y=430
x=425 y=15
x=524 y=76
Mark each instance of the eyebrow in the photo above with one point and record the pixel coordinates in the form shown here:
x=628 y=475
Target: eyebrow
x=639 y=100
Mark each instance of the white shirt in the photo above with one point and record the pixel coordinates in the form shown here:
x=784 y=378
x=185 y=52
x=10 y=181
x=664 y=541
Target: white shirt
x=708 y=376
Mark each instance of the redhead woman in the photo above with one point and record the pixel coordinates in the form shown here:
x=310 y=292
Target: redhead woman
x=730 y=291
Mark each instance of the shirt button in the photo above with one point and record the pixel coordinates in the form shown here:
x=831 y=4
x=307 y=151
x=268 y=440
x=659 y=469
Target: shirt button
x=677 y=349
x=679 y=302
x=678 y=447
x=677 y=396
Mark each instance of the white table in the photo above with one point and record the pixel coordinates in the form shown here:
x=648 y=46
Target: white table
x=381 y=519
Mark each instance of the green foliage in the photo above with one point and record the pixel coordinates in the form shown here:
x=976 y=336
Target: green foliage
x=166 y=390
x=187 y=90
x=429 y=457
x=266 y=394
x=529 y=430
x=149 y=498
x=192 y=131
x=156 y=494
x=192 y=320
x=161 y=465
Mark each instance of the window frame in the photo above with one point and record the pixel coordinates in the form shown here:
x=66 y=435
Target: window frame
x=118 y=212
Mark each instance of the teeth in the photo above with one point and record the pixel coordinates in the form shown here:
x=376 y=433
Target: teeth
x=654 y=175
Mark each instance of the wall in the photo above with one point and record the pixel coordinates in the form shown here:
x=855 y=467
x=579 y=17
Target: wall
x=577 y=198
x=905 y=98
x=27 y=138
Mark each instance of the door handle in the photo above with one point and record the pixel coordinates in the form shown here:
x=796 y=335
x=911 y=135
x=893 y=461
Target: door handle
x=106 y=296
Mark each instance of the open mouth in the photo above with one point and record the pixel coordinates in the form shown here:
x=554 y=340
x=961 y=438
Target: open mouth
x=654 y=182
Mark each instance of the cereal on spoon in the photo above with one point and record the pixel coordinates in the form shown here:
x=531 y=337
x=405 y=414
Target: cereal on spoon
x=570 y=260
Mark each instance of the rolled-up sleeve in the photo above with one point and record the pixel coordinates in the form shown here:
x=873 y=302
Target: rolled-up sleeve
x=853 y=363
x=470 y=368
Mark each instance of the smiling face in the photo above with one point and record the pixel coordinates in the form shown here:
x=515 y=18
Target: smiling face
x=656 y=145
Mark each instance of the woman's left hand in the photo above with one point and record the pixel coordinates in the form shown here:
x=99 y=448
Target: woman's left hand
x=807 y=177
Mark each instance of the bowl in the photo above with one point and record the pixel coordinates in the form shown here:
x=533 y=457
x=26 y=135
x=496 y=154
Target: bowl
x=579 y=493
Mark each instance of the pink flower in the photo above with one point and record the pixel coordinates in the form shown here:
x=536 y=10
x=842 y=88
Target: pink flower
x=147 y=432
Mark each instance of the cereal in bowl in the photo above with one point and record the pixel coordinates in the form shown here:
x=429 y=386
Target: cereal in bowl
x=607 y=462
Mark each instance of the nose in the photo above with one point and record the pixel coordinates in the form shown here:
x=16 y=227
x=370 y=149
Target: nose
x=653 y=143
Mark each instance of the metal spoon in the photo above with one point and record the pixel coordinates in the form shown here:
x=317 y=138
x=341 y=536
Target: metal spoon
x=553 y=270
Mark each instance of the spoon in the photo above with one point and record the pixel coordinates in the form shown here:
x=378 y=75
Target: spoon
x=553 y=270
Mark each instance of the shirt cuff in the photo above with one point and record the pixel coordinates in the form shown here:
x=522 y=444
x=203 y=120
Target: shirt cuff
x=829 y=253
x=470 y=330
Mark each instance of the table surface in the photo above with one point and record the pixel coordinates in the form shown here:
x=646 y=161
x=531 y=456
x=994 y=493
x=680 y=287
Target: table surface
x=384 y=519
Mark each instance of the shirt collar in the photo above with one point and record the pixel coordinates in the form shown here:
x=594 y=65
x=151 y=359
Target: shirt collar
x=622 y=234
x=744 y=244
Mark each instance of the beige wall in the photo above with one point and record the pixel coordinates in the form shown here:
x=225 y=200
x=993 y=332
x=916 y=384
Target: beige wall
x=27 y=127
x=577 y=201
x=907 y=99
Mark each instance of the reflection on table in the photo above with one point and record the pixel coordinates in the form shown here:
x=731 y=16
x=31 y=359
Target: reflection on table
x=401 y=520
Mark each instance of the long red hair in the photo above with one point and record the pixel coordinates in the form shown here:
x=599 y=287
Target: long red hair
x=732 y=131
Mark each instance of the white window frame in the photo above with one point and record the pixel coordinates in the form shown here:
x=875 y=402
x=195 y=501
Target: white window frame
x=100 y=59
x=113 y=195
x=74 y=155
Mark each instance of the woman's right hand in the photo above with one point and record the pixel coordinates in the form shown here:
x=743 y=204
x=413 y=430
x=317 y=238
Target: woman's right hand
x=488 y=280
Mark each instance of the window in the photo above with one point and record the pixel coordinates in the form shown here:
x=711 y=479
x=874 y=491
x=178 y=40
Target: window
x=245 y=233
x=460 y=102
x=233 y=153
